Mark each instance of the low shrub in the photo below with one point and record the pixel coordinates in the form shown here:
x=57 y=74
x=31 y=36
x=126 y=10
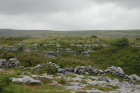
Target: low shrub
x=121 y=42
x=6 y=55
x=4 y=82
x=48 y=69
x=136 y=62
x=31 y=59
x=93 y=36
x=137 y=38
x=100 y=47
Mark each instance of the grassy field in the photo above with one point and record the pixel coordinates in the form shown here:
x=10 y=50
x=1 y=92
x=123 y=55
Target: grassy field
x=101 y=58
x=126 y=57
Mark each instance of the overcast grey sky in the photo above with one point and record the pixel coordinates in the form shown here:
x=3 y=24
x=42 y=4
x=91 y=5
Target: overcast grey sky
x=70 y=14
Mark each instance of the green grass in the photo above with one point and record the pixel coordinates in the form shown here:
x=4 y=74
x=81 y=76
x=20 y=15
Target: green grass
x=18 y=88
x=113 y=77
x=101 y=58
x=6 y=86
x=92 y=79
x=71 y=75
x=83 y=82
x=61 y=80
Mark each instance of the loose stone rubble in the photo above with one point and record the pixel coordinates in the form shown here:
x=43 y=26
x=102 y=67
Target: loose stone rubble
x=52 y=54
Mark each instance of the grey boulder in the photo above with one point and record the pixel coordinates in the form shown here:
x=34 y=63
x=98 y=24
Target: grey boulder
x=3 y=63
x=13 y=62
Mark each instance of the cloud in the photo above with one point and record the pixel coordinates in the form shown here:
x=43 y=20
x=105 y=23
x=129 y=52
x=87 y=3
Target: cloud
x=69 y=14
x=40 y=6
x=121 y=3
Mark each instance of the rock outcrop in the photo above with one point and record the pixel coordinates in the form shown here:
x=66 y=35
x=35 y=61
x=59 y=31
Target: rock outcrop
x=12 y=63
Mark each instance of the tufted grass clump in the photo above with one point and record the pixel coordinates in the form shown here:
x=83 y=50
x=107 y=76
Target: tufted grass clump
x=71 y=75
x=61 y=80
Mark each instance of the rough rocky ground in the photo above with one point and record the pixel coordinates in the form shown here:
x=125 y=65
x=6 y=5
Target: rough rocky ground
x=83 y=83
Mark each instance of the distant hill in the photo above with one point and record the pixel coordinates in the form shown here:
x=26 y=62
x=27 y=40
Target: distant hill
x=46 y=33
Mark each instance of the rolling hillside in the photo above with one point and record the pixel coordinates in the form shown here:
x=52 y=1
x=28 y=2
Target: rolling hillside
x=46 y=33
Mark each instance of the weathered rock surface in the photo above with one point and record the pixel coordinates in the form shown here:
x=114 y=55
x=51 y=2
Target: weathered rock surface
x=26 y=79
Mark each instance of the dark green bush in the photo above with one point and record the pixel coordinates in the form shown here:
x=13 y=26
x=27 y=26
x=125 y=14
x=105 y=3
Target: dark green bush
x=93 y=36
x=121 y=42
x=120 y=64
x=1 y=51
x=100 y=47
x=77 y=49
x=135 y=49
x=137 y=38
x=136 y=62
x=94 y=48
x=20 y=48
x=48 y=69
